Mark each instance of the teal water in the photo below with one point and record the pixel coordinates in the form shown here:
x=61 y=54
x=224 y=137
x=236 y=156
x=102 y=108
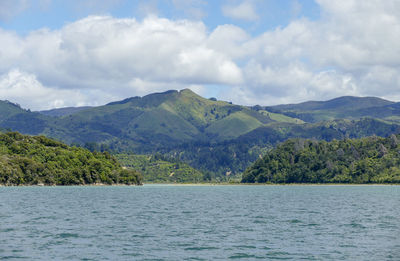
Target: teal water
x=161 y=222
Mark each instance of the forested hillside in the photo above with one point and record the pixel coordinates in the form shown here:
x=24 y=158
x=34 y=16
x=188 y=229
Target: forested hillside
x=215 y=137
x=367 y=160
x=27 y=160
x=159 y=169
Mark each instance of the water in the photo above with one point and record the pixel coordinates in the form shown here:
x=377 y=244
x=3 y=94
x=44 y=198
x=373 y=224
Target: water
x=159 y=222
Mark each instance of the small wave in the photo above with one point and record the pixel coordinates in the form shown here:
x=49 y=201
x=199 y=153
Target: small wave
x=200 y=248
x=67 y=235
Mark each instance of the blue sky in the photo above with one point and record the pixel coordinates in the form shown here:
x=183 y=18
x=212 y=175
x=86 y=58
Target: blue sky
x=88 y=52
x=37 y=14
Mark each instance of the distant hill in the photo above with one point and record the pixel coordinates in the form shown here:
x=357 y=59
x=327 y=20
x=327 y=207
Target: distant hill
x=149 y=122
x=9 y=109
x=346 y=107
x=237 y=154
x=66 y=111
x=156 y=168
x=208 y=134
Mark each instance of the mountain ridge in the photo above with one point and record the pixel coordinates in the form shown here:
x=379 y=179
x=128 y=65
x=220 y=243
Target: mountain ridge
x=209 y=134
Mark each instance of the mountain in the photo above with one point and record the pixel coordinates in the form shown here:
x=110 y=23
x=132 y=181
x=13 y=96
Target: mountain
x=346 y=107
x=60 y=112
x=367 y=160
x=9 y=109
x=27 y=160
x=237 y=154
x=210 y=135
x=146 y=123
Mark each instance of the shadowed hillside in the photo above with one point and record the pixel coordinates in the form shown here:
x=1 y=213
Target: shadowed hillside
x=210 y=135
x=346 y=107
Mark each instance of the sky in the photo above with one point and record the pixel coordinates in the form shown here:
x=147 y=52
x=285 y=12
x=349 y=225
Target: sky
x=60 y=53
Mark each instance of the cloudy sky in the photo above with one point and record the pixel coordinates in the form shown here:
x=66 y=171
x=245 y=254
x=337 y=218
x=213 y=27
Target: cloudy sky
x=56 y=53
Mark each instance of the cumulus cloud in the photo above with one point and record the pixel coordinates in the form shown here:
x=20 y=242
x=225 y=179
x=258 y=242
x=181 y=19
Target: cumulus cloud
x=110 y=55
x=244 y=11
x=16 y=84
x=294 y=82
x=351 y=50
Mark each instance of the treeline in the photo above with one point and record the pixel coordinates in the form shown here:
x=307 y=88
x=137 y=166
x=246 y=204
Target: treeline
x=31 y=160
x=160 y=169
x=367 y=160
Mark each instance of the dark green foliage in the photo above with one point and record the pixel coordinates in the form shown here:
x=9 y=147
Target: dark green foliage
x=209 y=135
x=367 y=160
x=30 y=160
x=157 y=168
x=221 y=158
x=237 y=154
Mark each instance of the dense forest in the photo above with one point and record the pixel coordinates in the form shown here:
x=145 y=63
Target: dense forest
x=159 y=169
x=216 y=137
x=367 y=160
x=33 y=160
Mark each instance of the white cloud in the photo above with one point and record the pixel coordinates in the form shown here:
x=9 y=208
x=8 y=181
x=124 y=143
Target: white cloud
x=107 y=54
x=244 y=11
x=24 y=88
x=294 y=82
x=351 y=50
x=229 y=40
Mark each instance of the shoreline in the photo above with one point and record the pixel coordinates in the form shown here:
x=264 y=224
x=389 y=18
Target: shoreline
x=75 y=185
x=263 y=184
x=205 y=184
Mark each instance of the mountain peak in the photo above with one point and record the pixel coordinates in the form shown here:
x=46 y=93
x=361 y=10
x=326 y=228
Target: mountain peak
x=187 y=91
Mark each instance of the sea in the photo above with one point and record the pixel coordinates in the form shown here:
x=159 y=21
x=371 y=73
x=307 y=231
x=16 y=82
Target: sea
x=210 y=222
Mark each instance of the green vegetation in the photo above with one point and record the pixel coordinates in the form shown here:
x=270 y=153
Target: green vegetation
x=9 y=109
x=367 y=160
x=156 y=168
x=215 y=137
x=60 y=112
x=27 y=160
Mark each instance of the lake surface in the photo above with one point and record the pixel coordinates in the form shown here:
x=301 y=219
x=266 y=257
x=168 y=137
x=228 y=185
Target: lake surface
x=166 y=222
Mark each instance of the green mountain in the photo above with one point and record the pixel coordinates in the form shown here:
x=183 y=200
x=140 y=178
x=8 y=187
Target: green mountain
x=60 y=112
x=210 y=135
x=146 y=123
x=29 y=160
x=9 y=109
x=367 y=160
x=346 y=107
x=237 y=154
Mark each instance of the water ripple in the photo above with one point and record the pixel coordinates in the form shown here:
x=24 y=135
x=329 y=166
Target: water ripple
x=200 y=223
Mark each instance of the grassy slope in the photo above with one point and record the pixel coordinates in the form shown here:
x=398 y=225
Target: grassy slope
x=169 y=117
x=234 y=125
x=159 y=119
x=62 y=112
x=8 y=109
